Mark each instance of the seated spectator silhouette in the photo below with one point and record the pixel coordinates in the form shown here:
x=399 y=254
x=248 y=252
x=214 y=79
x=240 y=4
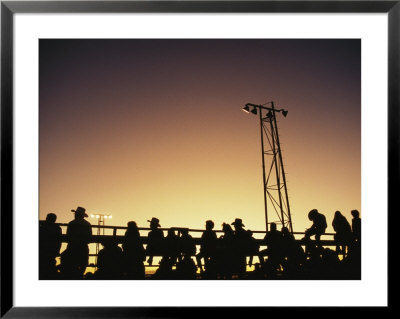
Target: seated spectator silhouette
x=318 y=227
x=356 y=225
x=343 y=236
x=186 y=268
x=109 y=260
x=187 y=246
x=49 y=247
x=165 y=271
x=74 y=259
x=292 y=253
x=172 y=246
x=330 y=265
x=274 y=251
x=133 y=253
x=155 y=240
x=252 y=248
x=208 y=245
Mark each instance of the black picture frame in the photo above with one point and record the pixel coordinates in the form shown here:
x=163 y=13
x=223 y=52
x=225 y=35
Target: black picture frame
x=9 y=8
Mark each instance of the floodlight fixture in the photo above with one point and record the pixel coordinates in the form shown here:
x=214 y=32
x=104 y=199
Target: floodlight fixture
x=284 y=113
x=254 y=111
x=246 y=109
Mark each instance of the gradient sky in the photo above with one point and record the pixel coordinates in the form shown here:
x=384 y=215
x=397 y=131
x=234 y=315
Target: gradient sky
x=154 y=128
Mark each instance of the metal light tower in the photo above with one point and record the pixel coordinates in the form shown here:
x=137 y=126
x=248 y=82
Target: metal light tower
x=100 y=221
x=274 y=180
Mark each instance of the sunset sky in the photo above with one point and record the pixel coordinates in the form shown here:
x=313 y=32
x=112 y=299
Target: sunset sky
x=154 y=128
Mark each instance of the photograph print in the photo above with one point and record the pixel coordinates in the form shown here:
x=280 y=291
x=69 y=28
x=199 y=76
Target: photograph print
x=196 y=159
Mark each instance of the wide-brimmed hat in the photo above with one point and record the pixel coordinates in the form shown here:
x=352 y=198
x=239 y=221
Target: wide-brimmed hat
x=155 y=221
x=238 y=222
x=80 y=211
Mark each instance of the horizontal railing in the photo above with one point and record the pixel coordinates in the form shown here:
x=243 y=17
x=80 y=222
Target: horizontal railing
x=119 y=238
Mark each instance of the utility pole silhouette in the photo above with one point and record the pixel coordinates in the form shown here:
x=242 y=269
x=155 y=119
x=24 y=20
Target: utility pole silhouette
x=274 y=180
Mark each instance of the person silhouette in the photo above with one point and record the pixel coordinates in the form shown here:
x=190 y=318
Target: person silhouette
x=208 y=245
x=318 y=227
x=343 y=234
x=353 y=259
x=356 y=225
x=292 y=254
x=186 y=268
x=109 y=260
x=225 y=252
x=49 y=246
x=155 y=240
x=74 y=259
x=240 y=243
x=252 y=246
x=273 y=241
x=186 y=243
x=172 y=246
x=133 y=253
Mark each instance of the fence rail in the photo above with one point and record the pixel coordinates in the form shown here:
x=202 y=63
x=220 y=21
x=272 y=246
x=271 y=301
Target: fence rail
x=119 y=238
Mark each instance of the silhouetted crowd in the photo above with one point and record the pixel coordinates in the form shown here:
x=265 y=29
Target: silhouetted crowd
x=224 y=257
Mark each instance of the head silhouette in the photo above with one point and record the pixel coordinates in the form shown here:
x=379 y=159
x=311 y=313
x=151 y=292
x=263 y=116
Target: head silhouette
x=109 y=242
x=226 y=228
x=132 y=226
x=238 y=223
x=338 y=214
x=80 y=213
x=285 y=231
x=273 y=227
x=355 y=213
x=154 y=223
x=312 y=214
x=51 y=218
x=209 y=224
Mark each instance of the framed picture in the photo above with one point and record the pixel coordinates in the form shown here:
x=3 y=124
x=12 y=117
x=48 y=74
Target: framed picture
x=125 y=118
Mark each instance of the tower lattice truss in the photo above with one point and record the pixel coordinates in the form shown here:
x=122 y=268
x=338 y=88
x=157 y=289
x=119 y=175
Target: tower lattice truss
x=275 y=179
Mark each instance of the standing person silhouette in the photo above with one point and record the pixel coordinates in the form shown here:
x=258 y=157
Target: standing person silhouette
x=155 y=240
x=171 y=247
x=318 y=227
x=273 y=241
x=133 y=253
x=208 y=245
x=356 y=225
x=240 y=243
x=343 y=234
x=354 y=255
x=49 y=247
x=79 y=233
x=225 y=253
